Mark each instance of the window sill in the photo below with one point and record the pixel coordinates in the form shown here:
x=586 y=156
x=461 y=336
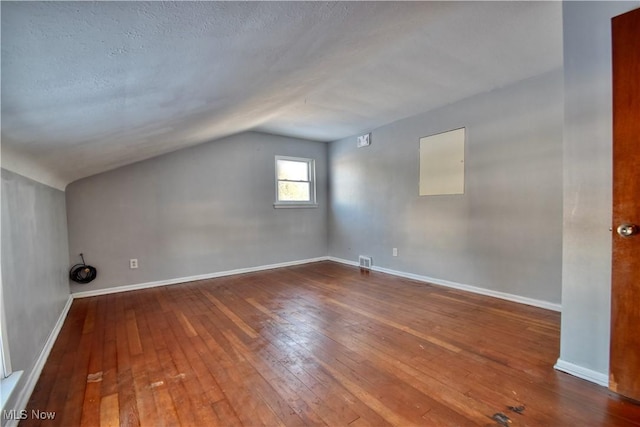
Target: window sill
x=8 y=385
x=295 y=205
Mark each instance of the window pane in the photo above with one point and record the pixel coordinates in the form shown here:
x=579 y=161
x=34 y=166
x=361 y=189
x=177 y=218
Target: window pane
x=294 y=191
x=293 y=171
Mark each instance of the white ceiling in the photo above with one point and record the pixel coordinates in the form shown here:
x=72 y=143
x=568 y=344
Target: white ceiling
x=87 y=87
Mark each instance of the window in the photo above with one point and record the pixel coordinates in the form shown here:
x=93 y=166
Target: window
x=295 y=182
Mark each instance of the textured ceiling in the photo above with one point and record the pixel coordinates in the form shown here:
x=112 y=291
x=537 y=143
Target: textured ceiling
x=88 y=87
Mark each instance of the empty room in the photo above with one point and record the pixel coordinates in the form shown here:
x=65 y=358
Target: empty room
x=320 y=213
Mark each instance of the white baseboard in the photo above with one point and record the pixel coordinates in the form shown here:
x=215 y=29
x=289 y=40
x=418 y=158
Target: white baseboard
x=125 y=288
x=476 y=290
x=582 y=372
x=30 y=384
x=344 y=261
x=502 y=295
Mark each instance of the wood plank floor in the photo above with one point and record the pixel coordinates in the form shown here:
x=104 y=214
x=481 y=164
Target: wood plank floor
x=318 y=344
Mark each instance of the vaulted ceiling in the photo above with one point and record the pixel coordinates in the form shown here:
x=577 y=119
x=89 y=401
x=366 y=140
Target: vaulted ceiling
x=91 y=86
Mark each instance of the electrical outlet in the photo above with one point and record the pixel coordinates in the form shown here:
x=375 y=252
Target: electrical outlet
x=133 y=263
x=395 y=251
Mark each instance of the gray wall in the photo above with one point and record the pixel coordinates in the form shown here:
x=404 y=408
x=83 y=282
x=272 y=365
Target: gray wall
x=503 y=234
x=195 y=211
x=586 y=272
x=34 y=267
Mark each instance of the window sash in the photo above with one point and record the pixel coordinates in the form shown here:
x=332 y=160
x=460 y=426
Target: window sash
x=293 y=170
x=294 y=191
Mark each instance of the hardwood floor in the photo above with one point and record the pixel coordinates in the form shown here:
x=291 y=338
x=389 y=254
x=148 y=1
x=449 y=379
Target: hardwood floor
x=318 y=344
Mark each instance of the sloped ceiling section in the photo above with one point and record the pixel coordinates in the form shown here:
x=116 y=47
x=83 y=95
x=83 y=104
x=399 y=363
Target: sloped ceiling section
x=91 y=86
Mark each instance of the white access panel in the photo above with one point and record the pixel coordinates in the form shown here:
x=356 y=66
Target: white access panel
x=442 y=163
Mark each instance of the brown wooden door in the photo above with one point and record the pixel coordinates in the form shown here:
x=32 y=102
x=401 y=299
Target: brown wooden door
x=624 y=371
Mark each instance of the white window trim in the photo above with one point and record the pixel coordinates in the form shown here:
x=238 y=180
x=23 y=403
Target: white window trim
x=279 y=204
x=5 y=359
x=8 y=378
